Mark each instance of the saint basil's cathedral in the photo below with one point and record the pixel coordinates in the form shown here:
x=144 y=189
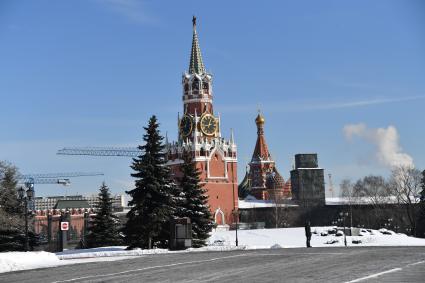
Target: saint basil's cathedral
x=262 y=179
x=199 y=132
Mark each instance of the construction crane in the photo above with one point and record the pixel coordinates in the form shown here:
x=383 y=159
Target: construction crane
x=331 y=186
x=101 y=151
x=53 y=178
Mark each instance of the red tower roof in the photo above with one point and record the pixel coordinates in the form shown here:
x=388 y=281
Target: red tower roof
x=261 y=150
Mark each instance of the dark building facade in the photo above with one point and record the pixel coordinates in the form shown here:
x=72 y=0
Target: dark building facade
x=308 y=181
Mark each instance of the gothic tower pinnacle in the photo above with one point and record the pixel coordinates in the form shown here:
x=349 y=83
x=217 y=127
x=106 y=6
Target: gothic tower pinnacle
x=196 y=66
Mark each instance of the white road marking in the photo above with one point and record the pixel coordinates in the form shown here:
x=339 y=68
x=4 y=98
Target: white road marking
x=416 y=263
x=384 y=272
x=289 y=254
x=147 y=268
x=374 y=275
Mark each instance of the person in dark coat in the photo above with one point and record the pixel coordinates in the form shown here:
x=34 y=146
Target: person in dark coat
x=308 y=233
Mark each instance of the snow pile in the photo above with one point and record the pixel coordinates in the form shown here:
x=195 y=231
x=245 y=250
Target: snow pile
x=115 y=251
x=261 y=238
x=120 y=251
x=322 y=237
x=13 y=261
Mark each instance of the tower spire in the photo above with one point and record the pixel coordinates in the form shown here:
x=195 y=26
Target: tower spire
x=196 y=66
x=261 y=149
x=232 y=138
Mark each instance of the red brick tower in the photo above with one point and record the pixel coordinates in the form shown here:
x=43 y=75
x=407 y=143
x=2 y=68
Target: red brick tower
x=200 y=134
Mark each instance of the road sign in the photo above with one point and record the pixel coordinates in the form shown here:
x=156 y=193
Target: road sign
x=64 y=226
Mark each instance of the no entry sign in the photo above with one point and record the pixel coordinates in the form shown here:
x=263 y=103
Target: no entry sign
x=64 y=226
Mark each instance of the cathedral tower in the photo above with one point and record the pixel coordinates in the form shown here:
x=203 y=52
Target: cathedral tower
x=262 y=180
x=199 y=132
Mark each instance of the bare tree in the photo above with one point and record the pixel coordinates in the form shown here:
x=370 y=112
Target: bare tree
x=376 y=191
x=349 y=194
x=406 y=186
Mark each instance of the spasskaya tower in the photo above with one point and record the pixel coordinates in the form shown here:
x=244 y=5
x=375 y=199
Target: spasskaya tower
x=199 y=131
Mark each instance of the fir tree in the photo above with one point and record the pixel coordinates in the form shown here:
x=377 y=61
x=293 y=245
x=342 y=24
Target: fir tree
x=196 y=205
x=152 y=198
x=12 y=225
x=8 y=188
x=422 y=197
x=103 y=229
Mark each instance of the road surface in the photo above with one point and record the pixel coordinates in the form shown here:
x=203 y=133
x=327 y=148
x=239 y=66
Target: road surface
x=365 y=264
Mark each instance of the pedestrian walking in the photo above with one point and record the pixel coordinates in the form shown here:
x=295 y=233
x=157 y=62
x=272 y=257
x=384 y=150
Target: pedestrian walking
x=308 y=233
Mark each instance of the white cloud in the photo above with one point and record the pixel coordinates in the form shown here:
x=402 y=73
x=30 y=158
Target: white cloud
x=291 y=106
x=386 y=141
x=360 y=103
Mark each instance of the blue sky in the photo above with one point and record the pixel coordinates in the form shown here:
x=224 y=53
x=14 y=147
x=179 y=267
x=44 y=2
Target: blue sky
x=90 y=73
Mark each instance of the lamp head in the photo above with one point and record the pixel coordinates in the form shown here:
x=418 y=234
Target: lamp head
x=21 y=193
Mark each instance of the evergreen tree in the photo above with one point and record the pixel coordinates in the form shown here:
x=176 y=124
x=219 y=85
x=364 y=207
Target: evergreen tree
x=103 y=229
x=196 y=205
x=152 y=198
x=422 y=197
x=8 y=188
x=12 y=224
x=421 y=215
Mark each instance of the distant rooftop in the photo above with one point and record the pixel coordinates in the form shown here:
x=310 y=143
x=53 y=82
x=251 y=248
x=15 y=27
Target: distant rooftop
x=63 y=204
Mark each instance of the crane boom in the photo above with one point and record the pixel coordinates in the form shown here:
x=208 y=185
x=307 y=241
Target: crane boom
x=60 y=181
x=60 y=175
x=101 y=151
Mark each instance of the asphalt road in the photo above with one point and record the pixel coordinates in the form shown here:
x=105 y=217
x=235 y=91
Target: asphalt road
x=369 y=264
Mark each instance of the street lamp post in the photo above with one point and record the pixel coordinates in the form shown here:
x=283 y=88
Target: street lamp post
x=25 y=199
x=343 y=215
x=235 y=211
x=396 y=228
x=390 y=220
x=236 y=217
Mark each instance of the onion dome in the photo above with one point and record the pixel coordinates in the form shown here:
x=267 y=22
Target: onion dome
x=260 y=120
x=274 y=181
x=244 y=188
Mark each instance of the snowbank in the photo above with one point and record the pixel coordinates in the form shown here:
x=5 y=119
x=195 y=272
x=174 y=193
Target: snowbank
x=115 y=251
x=295 y=237
x=13 y=261
x=120 y=251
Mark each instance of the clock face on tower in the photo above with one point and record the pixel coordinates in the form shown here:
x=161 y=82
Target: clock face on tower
x=208 y=124
x=186 y=125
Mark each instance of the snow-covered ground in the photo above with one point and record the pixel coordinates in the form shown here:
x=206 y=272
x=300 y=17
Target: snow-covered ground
x=219 y=241
x=12 y=261
x=295 y=237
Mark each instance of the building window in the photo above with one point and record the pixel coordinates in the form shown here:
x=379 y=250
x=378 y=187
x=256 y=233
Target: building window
x=195 y=85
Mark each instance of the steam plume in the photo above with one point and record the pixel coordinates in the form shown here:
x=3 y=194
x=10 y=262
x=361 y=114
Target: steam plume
x=386 y=140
